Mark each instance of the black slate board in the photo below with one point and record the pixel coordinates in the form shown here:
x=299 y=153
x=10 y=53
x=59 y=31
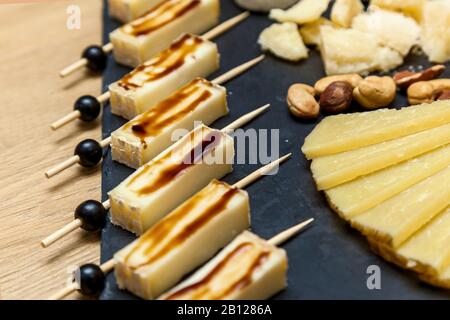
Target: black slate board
x=328 y=261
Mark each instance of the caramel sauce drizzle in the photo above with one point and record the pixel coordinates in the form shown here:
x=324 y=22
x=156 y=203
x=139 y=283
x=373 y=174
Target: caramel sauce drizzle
x=149 y=241
x=166 y=175
x=165 y=63
x=160 y=16
x=151 y=123
x=202 y=289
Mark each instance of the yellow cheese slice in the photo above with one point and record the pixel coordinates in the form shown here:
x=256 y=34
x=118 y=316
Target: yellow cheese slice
x=345 y=132
x=442 y=280
x=331 y=171
x=354 y=197
x=429 y=248
x=395 y=220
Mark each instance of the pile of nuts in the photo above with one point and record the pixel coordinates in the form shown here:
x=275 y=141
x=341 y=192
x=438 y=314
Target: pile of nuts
x=336 y=93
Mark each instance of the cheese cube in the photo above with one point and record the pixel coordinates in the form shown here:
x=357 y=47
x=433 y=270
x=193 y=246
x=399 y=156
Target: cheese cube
x=249 y=268
x=381 y=23
x=352 y=51
x=331 y=171
x=141 y=139
x=183 y=240
x=127 y=10
x=176 y=174
x=395 y=220
x=354 y=197
x=188 y=57
x=143 y=38
x=345 y=132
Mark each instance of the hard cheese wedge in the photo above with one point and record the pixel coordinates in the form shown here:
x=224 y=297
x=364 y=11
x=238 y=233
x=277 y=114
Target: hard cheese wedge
x=183 y=240
x=354 y=197
x=395 y=220
x=176 y=174
x=127 y=10
x=143 y=38
x=189 y=57
x=144 y=137
x=249 y=268
x=346 y=132
x=442 y=280
x=331 y=171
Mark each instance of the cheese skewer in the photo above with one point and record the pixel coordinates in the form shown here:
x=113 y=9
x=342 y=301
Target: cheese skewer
x=92 y=101
x=126 y=10
x=111 y=264
x=98 y=146
x=108 y=48
x=249 y=268
x=100 y=209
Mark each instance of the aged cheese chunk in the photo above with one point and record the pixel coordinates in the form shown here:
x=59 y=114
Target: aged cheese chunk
x=310 y=32
x=352 y=51
x=144 y=137
x=127 y=10
x=249 y=268
x=395 y=220
x=354 y=197
x=303 y=12
x=381 y=23
x=345 y=132
x=331 y=171
x=435 y=39
x=176 y=174
x=344 y=11
x=143 y=38
x=412 y=8
x=284 y=41
x=186 y=238
x=188 y=57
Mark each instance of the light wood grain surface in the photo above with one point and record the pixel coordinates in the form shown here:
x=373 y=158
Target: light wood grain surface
x=35 y=45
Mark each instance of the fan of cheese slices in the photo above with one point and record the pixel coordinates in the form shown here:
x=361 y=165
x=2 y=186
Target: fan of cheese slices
x=387 y=173
x=355 y=40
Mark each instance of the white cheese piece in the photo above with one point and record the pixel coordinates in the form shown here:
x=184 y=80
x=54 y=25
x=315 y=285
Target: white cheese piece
x=189 y=57
x=354 y=197
x=395 y=220
x=183 y=240
x=127 y=10
x=144 y=137
x=304 y=11
x=249 y=268
x=143 y=38
x=344 y=11
x=159 y=186
x=331 y=171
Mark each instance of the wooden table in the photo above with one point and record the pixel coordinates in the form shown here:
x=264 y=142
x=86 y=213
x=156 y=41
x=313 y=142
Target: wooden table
x=36 y=44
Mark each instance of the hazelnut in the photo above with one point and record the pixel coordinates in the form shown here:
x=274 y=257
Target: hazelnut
x=375 y=92
x=337 y=97
x=353 y=79
x=301 y=102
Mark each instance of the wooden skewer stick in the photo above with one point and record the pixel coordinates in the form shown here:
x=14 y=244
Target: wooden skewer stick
x=110 y=264
x=240 y=122
x=211 y=34
x=68 y=228
x=260 y=172
x=289 y=233
x=71 y=161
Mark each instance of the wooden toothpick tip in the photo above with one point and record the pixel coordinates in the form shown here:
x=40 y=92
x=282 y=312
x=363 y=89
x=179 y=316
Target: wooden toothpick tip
x=289 y=233
x=260 y=172
x=237 y=70
x=62 y=166
x=245 y=119
x=226 y=25
x=65 y=120
x=64 y=292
